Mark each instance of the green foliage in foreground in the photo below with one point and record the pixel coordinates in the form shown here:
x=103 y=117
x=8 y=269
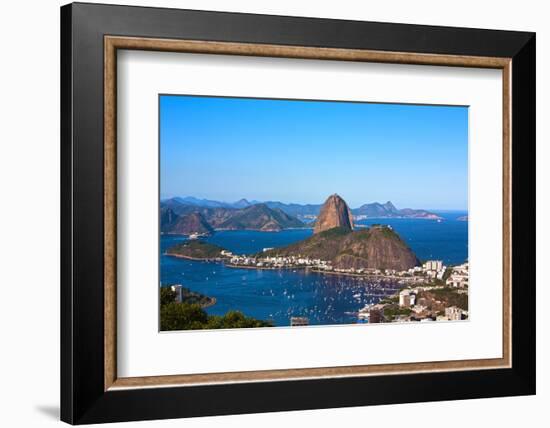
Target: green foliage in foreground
x=451 y=297
x=167 y=296
x=447 y=273
x=188 y=296
x=185 y=316
x=235 y=319
x=182 y=316
x=335 y=232
x=391 y=312
x=390 y=300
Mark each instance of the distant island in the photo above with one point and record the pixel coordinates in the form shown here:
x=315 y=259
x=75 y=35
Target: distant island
x=388 y=210
x=189 y=215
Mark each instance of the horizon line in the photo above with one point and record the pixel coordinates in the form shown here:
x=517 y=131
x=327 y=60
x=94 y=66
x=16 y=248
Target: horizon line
x=255 y=201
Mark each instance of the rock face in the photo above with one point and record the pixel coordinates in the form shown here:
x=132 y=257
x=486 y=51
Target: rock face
x=378 y=247
x=187 y=224
x=259 y=217
x=188 y=219
x=334 y=213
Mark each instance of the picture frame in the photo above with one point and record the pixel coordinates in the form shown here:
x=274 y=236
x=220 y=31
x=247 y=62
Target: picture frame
x=91 y=390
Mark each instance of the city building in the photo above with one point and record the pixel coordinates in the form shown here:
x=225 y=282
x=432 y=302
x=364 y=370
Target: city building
x=433 y=265
x=406 y=298
x=457 y=280
x=453 y=313
x=419 y=308
x=299 y=321
x=178 y=289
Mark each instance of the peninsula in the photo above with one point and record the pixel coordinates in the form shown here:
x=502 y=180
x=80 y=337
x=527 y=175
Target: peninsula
x=333 y=246
x=196 y=250
x=335 y=242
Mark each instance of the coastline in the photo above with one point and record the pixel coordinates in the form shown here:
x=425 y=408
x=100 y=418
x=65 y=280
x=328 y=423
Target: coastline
x=212 y=302
x=314 y=270
x=361 y=275
x=196 y=259
x=307 y=268
x=308 y=227
x=260 y=230
x=263 y=268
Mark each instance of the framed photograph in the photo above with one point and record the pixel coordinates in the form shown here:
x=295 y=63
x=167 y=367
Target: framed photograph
x=265 y=213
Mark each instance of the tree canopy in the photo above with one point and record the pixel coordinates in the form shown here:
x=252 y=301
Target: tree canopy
x=191 y=316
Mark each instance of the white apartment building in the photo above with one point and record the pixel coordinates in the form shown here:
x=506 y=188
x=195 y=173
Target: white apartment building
x=453 y=313
x=177 y=288
x=433 y=265
x=457 y=281
x=405 y=298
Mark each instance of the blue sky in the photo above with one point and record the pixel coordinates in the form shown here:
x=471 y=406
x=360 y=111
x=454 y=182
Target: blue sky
x=303 y=151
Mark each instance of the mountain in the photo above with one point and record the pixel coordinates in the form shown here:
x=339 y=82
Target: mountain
x=410 y=213
x=187 y=224
x=334 y=213
x=213 y=215
x=190 y=200
x=260 y=217
x=177 y=217
x=305 y=212
x=390 y=207
x=207 y=203
x=334 y=240
x=167 y=218
x=376 y=209
x=388 y=210
x=242 y=203
x=377 y=247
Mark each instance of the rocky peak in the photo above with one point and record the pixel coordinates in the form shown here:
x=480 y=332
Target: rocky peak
x=390 y=207
x=168 y=216
x=334 y=213
x=241 y=203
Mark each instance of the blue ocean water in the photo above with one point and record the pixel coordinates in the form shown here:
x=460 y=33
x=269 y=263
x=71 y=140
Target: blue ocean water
x=446 y=240
x=324 y=299
x=250 y=242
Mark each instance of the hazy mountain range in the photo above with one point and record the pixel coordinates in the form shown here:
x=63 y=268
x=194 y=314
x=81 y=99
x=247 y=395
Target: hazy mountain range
x=180 y=218
x=304 y=212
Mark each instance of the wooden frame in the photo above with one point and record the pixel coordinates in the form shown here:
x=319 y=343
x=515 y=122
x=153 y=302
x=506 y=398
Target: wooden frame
x=113 y=43
x=513 y=53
